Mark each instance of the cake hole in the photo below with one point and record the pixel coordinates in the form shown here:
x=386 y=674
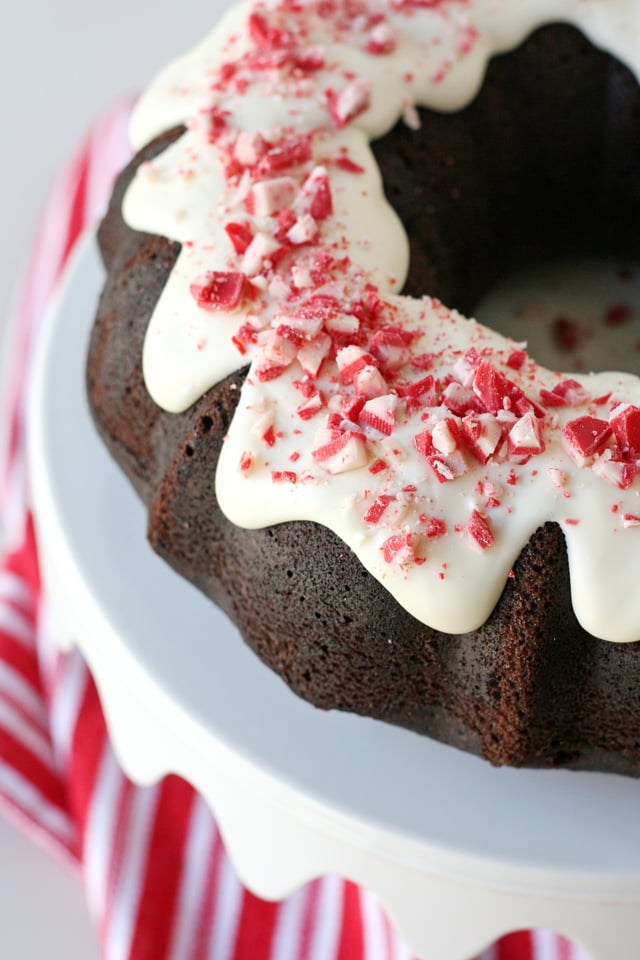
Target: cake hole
x=576 y=316
x=206 y=424
x=529 y=198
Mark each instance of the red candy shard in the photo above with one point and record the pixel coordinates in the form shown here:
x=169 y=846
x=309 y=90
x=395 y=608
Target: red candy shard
x=458 y=398
x=423 y=443
x=516 y=359
x=309 y=60
x=377 y=508
x=270 y=372
x=525 y=437
x=219 y=290
x=316 y=192
x=342 y=452
x=269 y=197
x=246 y=462
x=312 y=354
x=379 y=413
x=527 y=405
x=479 y=530
x=377 y=466
x=620 y=473
x=269 y=436
x=585 y=437
x=240 y=235
x=417 y=389
x=625 y=423
x=447 y=467
x=464 y=369
x=349 y=165
x=351 y=361
x=435 y=528
x=352 y=407
x=267 y=37
x=446 y=435
x=568 y=393
x=284 y=476
x=482 y=434
x=311 y=406
x=348 y=103
x=382 y=40
x=493 y=390
x=291 y=152
x=399 y=549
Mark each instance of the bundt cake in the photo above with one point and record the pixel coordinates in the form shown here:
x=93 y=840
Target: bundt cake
x=406 y=516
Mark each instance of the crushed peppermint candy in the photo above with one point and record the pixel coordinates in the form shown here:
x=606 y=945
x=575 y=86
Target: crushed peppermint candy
x=413 y=412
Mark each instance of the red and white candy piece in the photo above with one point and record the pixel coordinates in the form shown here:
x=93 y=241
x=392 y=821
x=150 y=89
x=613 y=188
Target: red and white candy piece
x=382 y=40
x=493 y=390
x=259 y=250
x=399 y=549
x=369 y=382
x=268 y=197
x=445 y=435
x=315 y=196
x=464 y=369
x=347 y=104
x=482 y=434
x=624 y=420
x=479 y=530
x=338 y=451
x=219 y=290
x=304 y=230
x=525 y=438
x=568 y=393
x=447 y=467
x=276 y=350
x=379 y=413
x=345 y=324
x=312 y=354
x=379 y=508
x=585 y=437
x=459 y=399
x=248 y=148
x=620 y=473
x=311 y=405
x=351 y=360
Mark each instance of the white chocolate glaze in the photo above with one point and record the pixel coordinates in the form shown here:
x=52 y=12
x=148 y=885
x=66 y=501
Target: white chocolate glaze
x=437 y=526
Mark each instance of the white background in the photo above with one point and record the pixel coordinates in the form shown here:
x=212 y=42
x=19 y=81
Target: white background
x=61 y=62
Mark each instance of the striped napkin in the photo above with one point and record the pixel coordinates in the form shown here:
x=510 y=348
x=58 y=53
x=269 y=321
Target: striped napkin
x=158 y=881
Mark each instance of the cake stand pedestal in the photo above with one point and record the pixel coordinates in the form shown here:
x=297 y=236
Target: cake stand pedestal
x=436 y=834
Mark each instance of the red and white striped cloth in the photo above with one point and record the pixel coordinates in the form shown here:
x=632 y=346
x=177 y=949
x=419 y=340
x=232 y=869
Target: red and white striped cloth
x=158 y=881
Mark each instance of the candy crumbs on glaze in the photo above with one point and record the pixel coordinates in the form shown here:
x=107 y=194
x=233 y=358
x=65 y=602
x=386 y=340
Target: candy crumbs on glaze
x=427 y=442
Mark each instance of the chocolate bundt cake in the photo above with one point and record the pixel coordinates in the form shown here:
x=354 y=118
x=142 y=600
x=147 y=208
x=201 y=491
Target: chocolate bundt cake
x=405 y=515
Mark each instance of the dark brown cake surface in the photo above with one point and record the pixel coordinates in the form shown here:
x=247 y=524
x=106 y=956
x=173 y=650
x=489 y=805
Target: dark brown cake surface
x=550 y=139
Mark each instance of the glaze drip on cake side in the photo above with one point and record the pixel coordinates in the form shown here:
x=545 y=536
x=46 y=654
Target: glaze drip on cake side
x=431 y=445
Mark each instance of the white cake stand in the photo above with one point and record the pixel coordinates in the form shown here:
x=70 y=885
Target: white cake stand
x=436 y=834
